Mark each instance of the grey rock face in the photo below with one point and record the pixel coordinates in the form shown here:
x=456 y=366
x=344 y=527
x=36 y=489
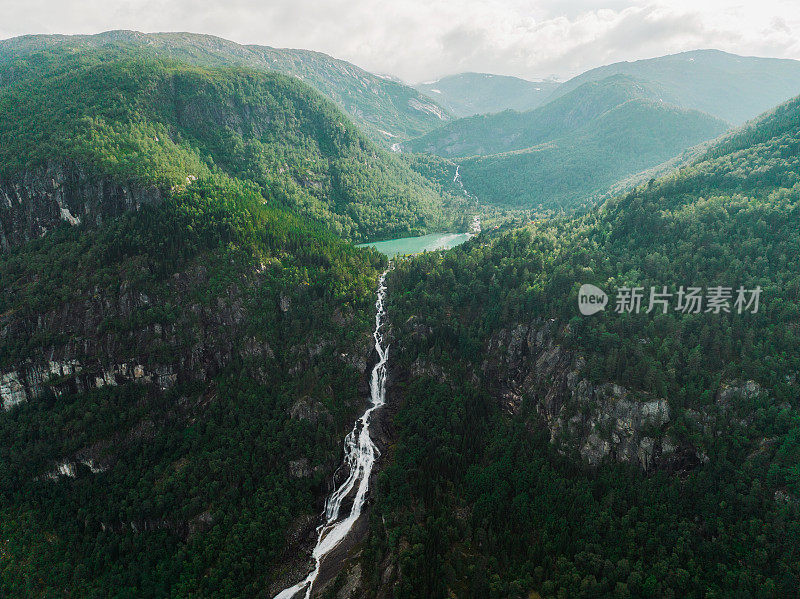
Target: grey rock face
x=32 y=380
x=299 y=468
x=527 y=363
x=40 y=199
x=309 y=409
x=82 y=354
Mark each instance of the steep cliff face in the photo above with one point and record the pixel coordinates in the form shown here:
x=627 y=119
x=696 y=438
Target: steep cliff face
x=125 y=335
x=531 y=368
x=598 y=421
x=173 y=375
x=39 y=199
x=81 y=349
x=528 y=363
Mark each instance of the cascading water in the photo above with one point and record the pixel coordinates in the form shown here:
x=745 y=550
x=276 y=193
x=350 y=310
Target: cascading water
x=359 y=457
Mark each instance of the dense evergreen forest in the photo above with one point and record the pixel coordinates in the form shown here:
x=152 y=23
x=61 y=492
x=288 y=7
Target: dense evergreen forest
x=152 y=122
x=178 y=372
x=188 y=483
x=572 y=150
x=385 y=109
x=478 y=501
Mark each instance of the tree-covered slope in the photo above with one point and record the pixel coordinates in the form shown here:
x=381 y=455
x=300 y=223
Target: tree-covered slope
x=176 y=384
x=571 y=150
x=467 y=94
x=511 y=130
x=503 y=388
x=577 y=167
x=85 y=136
x=733 y=88
x=387 y=109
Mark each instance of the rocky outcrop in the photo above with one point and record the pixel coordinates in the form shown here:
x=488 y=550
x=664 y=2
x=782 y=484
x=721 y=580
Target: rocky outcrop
x=69 y=469
x=595 y=421
x=37 y=200
x=309 y=409
x=531 y=363
x=34 y=379
x=105 y=337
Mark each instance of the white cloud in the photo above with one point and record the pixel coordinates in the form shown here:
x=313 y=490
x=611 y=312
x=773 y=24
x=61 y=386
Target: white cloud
x=424 y=39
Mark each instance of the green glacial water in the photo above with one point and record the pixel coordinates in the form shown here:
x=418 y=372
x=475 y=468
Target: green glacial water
x=416 y=245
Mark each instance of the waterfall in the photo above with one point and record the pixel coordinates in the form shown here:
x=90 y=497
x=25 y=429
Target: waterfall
x=359 y=457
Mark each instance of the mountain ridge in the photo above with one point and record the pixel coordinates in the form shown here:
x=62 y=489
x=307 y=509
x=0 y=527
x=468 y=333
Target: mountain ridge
x=150 y=124
x=470 y=93
x=504 y=386
x=380 y=105
x=732 y=87
x=566 y=153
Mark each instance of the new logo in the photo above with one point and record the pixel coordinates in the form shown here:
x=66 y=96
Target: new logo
x=591 y=299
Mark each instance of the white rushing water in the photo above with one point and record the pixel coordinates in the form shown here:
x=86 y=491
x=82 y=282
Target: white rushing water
x=359 y=457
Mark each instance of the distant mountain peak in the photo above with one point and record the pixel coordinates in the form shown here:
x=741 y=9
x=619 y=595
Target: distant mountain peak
x=377 y=103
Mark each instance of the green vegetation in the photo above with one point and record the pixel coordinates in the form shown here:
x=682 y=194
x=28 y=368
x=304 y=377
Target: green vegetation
x=203 y=356
x=145 y=122
x=196 y=493
x=581 y=166
x=386 y=109
x=467 y=94
x=476 y=501
x=733 y=88
x=510 y=130
x=572 y=150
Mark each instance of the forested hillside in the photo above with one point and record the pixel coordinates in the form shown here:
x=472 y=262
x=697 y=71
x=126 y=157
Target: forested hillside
x=732 y=88
x=572 y=150
x=186 y=334
x=467 y=94
x=87 y=136
x=542 y=453
x=385 y=108
x=584 y=164
x=176 y=383
x=511 y=130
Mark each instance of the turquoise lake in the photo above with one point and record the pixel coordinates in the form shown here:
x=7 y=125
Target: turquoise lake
x=415 y=245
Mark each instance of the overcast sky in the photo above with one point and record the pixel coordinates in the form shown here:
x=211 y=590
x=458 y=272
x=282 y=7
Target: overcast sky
x=420 y=40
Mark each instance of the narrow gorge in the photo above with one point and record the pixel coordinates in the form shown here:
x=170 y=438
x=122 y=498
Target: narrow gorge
x=360 y=453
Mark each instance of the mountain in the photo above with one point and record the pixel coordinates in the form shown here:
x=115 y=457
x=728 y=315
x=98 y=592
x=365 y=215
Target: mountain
x=511 y=130
x=185 y=335
x=571 y=150
x=733 y=88
x=467 y=94
x=577 y=168
x=87 y=136
x=556 y=156
x=175 y=385
x=387 y=109
x=542 y=453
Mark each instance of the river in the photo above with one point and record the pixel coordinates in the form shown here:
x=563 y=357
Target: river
x=360 y=453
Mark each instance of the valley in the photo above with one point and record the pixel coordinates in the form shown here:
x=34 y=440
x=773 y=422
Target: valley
x=275 y=326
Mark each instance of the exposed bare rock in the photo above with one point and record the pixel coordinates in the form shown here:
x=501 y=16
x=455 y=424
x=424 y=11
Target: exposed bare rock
x=732 y=390
x=307 y=408
x=83 y=353
x=352 y=587
x=530 y=363
x=32 y=380
x=300 y=468
x=41 y=198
